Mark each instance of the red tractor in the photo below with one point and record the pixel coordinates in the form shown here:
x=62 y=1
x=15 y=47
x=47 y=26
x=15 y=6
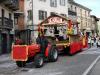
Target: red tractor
x=26 y=51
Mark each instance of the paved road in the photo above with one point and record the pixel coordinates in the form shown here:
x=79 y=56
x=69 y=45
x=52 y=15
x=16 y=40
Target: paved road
x=96 y=69
x=66 y=65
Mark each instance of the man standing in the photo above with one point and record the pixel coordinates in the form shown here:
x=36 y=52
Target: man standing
x=43 y=42
x=92 y=41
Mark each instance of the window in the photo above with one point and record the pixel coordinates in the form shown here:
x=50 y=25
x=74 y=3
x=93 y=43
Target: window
x=53 y=13
x=3 y=13
x=42 y=0
x=29 y=14
x=62 y=2
x=63 y=15
x=42 y=15
x=75 y=9
x=85 y=14
x=10 y=16
x=88 y=13
x=53 y=3
x=71 y=7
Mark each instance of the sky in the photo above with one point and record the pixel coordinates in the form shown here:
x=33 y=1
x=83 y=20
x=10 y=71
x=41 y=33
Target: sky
x=94 y=5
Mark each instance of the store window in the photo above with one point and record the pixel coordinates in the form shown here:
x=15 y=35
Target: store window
x=42 y=15
x=53 y=3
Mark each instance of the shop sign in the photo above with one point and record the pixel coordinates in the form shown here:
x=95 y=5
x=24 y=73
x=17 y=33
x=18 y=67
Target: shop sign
x=55 y=20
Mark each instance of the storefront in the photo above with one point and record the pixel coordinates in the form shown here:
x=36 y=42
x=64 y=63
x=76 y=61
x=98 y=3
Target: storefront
x=6 y=40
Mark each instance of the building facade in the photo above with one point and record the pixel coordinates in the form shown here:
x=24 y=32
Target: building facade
x=41 y=9
x=7 y=8
x=94 y=25
x=99 y=27
x=81 y=14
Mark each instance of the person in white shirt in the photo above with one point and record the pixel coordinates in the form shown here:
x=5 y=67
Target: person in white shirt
x=89 y=42
x=60 y=35
x=98 y=43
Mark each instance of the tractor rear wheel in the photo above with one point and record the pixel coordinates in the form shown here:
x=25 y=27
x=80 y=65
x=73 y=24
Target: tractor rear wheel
x=38 y=61
x=53 y=54
x=20 y=63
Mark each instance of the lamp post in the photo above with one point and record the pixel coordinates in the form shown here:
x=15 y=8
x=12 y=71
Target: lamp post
x=32 y=33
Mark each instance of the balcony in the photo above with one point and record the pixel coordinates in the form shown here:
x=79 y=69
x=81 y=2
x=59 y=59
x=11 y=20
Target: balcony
x=12 y=4
x=2 y=1
x=72 y=15
x=6 y=23
x=70 y=12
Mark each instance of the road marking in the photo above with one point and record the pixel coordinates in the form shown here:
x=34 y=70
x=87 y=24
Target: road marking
x=91 y=66
x=92 y=52
x=56 y=73
x=31 y=70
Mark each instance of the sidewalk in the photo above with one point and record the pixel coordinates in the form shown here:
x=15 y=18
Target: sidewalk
x=5 y=58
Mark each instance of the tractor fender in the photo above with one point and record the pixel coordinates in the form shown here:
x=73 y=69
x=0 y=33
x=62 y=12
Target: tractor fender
x=47 y=50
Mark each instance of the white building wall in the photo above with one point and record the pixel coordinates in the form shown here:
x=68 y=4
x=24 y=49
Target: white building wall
x=45 y=6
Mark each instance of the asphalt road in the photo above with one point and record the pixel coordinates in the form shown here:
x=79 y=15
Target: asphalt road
x=66 y=65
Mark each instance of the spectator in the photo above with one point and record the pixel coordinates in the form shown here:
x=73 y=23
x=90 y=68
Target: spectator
x=89 y=42
x=92 y=41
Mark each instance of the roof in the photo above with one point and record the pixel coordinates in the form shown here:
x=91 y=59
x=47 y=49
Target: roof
x=55 y=15
x=73 y=2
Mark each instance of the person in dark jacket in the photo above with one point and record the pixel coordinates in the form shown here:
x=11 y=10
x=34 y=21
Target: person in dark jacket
x=41 y=39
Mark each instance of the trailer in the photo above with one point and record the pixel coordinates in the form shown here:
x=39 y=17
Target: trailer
x=62 y=35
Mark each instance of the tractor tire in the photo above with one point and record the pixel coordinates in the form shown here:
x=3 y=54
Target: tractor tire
x=53 y=54
x=38 y=61
x=20 y=63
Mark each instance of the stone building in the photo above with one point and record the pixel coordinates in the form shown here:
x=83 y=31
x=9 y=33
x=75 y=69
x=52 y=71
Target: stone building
x=94 y=25
x=81 y=14
x=99 y=27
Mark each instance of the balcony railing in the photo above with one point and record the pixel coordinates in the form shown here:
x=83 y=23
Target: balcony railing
x=12 y=4
x=70 y=12
x=6 y=23
x=0 y=22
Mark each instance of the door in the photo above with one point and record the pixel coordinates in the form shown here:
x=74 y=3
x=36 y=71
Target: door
x=4 y=43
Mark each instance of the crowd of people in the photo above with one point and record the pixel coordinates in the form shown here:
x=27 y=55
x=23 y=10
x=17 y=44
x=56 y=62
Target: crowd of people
x=93 y=40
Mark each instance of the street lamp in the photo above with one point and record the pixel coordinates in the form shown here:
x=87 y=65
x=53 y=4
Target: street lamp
x=32 y=15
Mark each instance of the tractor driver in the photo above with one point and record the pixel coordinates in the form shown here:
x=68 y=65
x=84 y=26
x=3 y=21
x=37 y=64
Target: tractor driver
x=41 y=39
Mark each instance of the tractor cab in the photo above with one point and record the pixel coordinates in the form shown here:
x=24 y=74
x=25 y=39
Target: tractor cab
x=23 y=36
